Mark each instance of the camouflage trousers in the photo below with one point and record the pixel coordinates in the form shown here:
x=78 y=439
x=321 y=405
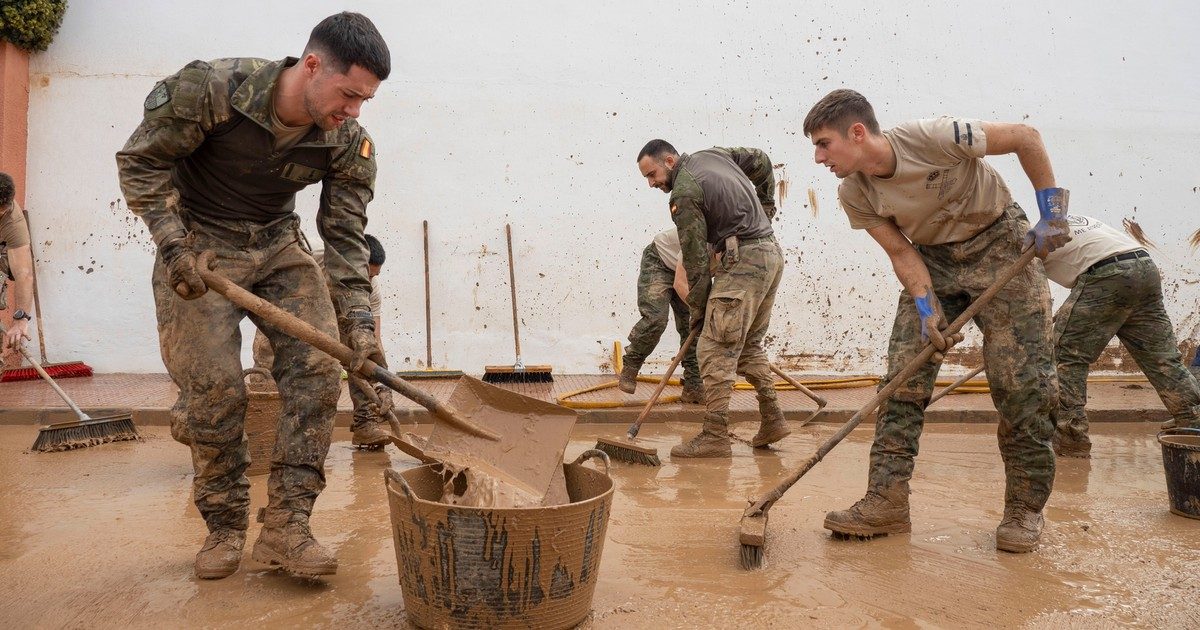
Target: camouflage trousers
x=201 y=347
x=736 y=318
x=1122 y=299
x=656 y=300
x=264 y=357
x=1016 y=350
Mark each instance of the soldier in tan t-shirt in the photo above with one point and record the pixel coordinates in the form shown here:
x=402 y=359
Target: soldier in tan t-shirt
x=950 y=226
x=16 y=264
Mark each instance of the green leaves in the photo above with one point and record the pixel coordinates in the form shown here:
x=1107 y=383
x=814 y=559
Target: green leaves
x=31 y=24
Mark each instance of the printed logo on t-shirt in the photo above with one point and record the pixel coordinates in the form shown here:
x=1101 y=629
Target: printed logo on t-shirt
x=939 y=180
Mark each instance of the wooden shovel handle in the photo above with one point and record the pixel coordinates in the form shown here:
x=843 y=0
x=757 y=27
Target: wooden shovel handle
x=302 y=330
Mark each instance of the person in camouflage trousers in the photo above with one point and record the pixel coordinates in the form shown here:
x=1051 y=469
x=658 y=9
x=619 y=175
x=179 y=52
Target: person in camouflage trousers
x=214 y=166
x=662 y=288
x=950 y=227
x=1116 y=290
x=722 y=202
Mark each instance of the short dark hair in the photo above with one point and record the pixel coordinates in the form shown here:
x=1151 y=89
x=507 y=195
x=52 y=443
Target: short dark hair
x=839 y=110
x=657 y=149
x=349 y=39
x=377 y=253
x=8 y=190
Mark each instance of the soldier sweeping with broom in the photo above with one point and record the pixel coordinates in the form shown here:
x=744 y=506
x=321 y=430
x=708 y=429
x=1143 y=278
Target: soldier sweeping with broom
x=16 y=264
x=950 y=226
x=722 y=202
x=214 y=166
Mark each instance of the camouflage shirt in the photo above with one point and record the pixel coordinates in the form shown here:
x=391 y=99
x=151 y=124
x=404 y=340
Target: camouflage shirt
x=715 y=194
x=205 y=147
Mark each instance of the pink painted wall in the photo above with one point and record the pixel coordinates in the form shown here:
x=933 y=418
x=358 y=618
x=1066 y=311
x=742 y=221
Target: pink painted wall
x=14 y=132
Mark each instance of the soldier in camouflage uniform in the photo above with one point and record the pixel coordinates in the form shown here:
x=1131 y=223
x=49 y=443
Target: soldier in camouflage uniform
x=662 y=288
x=215 y=164
x=722 y=202
x=1116 y=290
x=949 y=224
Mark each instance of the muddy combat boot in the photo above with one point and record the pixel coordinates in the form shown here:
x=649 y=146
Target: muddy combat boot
x=286 y=542
x=221 y=554
x=878 y=513
x=1066 y=445
x=628 y=380
x=773 y=427
x=693 y=394
x=370 y=436
x=1020 y=529
x=713 y=441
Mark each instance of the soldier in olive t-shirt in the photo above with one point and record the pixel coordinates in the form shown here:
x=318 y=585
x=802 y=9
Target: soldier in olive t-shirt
x=949 y=225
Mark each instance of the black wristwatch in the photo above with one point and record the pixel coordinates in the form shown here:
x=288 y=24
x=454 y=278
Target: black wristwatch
x=20 y=314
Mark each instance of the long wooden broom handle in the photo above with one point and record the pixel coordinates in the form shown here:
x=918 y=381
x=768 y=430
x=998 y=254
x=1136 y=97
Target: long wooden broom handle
x=512 y=288
x=662 y=384
x=764 y=502
x=428 y=325
x=302 y=330
x=821 y=402
x=955 y=385
x=83 y=417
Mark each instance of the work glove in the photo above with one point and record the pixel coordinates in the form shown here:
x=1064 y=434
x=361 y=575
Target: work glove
x=180 y=260
x=359 y=330
x=386 y=404
x=933 y=323
x=1051 y=231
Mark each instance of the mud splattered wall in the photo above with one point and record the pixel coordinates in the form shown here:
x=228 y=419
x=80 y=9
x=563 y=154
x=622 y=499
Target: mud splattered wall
x=532 y=113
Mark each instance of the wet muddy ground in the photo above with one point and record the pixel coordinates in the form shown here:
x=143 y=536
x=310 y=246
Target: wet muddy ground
x=104 y=537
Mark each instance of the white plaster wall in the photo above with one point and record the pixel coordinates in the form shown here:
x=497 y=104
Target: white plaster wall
x=532 y=113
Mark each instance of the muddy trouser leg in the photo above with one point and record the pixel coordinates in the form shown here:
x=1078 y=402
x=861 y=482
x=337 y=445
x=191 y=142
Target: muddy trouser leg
x=691 y=367
x=1019 y=356
x=362 y=410
x=1083 y=326
x=654 y=303
x=753 y=363
x=734 y=303
x=201 y=348
x=264 y=356
x=1149 y=336
x=308 y=379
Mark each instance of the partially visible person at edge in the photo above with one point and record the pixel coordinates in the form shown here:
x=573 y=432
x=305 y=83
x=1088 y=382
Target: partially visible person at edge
x=1116 y=290
x=369 y=428
x=662 y=288
x=214 y=167
x=722 y=202
x=16 y=264
x=948 y=223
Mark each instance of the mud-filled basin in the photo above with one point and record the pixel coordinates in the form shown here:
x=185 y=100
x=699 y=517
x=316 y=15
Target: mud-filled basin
x=469 y=567
x=1181 y=463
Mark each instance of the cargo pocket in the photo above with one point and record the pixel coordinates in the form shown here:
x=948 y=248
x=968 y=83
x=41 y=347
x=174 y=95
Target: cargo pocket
x=725 y=316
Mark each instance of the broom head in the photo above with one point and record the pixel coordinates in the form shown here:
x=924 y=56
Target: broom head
x=419 y=374
x=55 y=370
x=64 y=436
x=626 y=451
x=752 y=535
x=515 y=374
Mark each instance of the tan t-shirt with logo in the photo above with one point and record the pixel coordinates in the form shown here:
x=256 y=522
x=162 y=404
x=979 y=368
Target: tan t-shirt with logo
x=667 y=245
x=942 y=191
x=1091 y=241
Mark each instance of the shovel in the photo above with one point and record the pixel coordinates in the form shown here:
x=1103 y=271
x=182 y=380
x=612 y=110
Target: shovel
x=516 y=439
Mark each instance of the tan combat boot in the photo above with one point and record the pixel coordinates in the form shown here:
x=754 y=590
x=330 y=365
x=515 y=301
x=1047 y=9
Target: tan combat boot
x=1066 y=445
x=286 y=542
x=693 y=394
x=370 y=436
x=221 y=554
x=713 y=441
x=1020 y=529
x=878 y=513
x=627 y=382
x=773 y=427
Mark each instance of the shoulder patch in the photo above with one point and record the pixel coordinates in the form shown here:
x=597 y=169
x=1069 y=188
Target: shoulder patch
x=365 y=149
x=157 y=97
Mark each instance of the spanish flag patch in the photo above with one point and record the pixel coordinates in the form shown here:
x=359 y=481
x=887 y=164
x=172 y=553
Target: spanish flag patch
x=364 y=149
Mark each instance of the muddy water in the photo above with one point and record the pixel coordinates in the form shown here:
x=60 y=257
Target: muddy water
x=104 y=537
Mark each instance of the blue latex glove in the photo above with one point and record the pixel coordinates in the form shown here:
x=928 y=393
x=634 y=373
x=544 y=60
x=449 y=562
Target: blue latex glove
x=926 y=310
x=932 y=323
x=1051 y=231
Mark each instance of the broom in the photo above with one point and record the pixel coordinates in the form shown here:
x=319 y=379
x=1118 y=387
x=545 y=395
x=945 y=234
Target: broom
x=64 y=436
x=517 y=372
x=753 y=528
x=428 y=372
x=626 y=450
x=70 y=369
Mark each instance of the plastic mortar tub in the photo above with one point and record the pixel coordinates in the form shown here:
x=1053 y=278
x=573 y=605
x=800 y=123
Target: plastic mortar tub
x=1181 y=462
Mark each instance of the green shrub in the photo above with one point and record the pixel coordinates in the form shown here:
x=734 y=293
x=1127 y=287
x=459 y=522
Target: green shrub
x=31 y=24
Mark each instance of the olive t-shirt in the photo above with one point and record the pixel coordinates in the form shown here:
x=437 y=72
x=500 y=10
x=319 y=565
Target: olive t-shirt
x=13 y=230
x=942 y=190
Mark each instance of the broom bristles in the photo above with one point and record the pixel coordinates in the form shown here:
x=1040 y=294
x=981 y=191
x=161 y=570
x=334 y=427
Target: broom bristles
x=84 y=434
x=632 y=455
x=506 y=374
x=55 y=370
